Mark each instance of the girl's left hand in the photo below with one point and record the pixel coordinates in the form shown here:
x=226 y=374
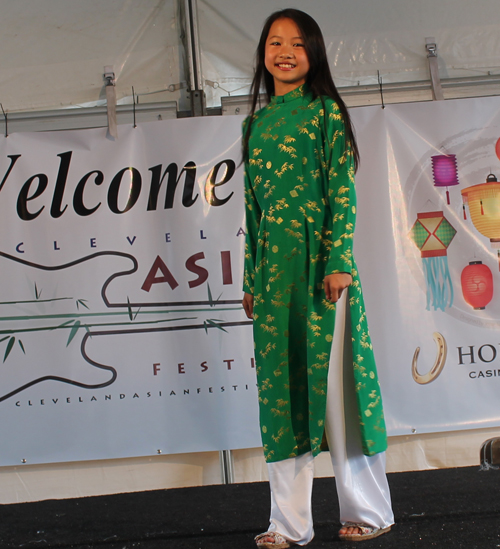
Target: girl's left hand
x=335 y=284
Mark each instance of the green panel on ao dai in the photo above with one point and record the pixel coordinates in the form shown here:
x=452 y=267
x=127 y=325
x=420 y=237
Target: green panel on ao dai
x=301 y=207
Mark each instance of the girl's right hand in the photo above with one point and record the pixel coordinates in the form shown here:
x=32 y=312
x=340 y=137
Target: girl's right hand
x=335 y=284
x=248 y=304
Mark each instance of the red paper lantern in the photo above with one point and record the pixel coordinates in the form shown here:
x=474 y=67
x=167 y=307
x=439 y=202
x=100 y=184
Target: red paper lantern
x=477 y=284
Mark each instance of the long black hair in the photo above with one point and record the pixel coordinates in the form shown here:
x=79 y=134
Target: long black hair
x=319 y=78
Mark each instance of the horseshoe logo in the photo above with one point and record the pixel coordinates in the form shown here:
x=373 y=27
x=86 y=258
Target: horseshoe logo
x=438 y=364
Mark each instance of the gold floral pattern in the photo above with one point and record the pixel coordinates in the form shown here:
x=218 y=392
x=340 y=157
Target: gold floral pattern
x=298 y=167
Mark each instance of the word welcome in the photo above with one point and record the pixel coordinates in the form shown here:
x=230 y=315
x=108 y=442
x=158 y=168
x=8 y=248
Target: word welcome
x=32 y=198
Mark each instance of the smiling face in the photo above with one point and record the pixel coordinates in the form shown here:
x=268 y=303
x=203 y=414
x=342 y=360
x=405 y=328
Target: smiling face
x=285 y=56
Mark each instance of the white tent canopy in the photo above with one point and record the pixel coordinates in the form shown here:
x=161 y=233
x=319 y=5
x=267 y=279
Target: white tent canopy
x=363 y=37
x=54 y=51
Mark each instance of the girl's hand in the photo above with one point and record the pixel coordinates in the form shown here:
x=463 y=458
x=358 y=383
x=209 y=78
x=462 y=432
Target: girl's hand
x=248 y=304
x=335 y=284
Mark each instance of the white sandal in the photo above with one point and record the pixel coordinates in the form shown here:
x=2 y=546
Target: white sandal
x=279 y=542
x=366 y=532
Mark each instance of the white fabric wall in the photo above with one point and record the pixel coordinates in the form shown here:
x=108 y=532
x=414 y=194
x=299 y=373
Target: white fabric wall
x=70 y=480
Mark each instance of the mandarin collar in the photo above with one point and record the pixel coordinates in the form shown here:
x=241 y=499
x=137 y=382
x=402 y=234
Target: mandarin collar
x=297 y=93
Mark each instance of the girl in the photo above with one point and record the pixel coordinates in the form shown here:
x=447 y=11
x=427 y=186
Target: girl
x=303 y=292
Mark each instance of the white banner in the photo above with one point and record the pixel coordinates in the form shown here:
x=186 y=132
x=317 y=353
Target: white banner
x=121 y=328
x=415 y=250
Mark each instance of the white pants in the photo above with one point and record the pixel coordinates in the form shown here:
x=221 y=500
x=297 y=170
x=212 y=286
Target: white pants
x=361 y=481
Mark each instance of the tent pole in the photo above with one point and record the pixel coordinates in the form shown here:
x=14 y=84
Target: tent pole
x=197 y=95
x=226 y=466
x=199 y=108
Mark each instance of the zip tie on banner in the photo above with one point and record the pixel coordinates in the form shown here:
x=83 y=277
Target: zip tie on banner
x=216 y=85
x=133 y=107
x=5 y=116
x=176 y=87
x=110 y=83
x=380 y=88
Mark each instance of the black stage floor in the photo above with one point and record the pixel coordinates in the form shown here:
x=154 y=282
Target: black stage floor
x=447 y=508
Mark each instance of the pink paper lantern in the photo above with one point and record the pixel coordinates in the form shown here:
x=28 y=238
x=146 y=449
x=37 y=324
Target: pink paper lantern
x=444 y=171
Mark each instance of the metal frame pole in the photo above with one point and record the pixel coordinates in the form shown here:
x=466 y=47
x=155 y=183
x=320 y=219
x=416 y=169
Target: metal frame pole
x=226 y=466
x=199 y=108
x=198 y=100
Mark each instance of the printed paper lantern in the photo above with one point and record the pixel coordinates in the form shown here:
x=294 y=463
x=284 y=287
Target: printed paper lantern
x=477 y=284
x=432 y=234
x=444 y=172
x=484 y=209
x=497 y=148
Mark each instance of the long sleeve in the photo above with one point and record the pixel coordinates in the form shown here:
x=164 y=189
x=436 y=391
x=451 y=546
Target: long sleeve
x=340 y=190
x=253 y=215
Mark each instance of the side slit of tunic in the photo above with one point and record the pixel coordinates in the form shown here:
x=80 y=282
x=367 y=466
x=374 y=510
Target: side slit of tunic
x=362 y=487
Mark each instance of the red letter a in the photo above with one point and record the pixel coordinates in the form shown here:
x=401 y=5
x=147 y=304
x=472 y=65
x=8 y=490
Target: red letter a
x=151 y=279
